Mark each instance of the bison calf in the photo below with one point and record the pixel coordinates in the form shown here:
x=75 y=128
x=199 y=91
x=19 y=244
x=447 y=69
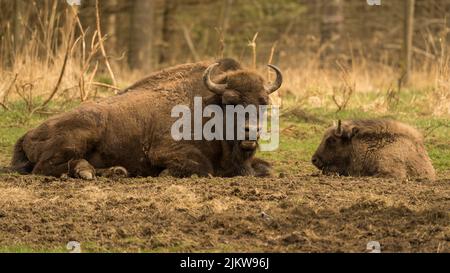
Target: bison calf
x=381 y=148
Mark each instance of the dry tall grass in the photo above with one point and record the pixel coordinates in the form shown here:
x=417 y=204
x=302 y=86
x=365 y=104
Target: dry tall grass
x=34 y=76
x=56 y=63
x=341 y=85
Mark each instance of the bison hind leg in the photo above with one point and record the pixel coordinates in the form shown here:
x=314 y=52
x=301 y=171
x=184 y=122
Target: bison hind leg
x=20 y=162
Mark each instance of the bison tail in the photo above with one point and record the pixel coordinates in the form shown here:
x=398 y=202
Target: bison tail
x=20 y=162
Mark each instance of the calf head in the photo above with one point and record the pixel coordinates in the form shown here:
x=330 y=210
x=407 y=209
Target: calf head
x=334 y=153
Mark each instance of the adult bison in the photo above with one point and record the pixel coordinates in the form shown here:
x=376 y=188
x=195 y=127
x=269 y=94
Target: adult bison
x=383 y=148
x=131 y=133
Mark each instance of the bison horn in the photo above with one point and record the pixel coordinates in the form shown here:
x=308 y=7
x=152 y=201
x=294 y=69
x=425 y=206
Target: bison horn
x=339 y=128
x=219 y=89
x=277 y=83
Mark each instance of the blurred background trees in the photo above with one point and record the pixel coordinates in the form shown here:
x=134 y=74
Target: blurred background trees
x=148 y=34
x=325 y=47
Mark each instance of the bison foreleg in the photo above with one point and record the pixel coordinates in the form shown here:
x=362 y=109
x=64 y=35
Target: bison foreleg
x=81 y=169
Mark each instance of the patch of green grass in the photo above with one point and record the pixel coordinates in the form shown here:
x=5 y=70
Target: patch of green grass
x=298 y=142
x=86 y=247
x=27 y=249
x=13 y=124
x=300 y=138
x=17 y=121
x=300 y=134
x=106 y=79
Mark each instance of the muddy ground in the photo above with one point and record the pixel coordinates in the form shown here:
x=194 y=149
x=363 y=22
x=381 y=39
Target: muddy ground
x=307 y=213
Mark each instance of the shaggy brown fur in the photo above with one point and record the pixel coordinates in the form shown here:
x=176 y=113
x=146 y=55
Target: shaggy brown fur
x=384 y=148
x=132 y=130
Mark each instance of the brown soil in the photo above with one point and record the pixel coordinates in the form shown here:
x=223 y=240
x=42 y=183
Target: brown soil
x=291 y=214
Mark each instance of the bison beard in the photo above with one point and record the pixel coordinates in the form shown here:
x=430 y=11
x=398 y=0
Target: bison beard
x=239 y=162
x=129 y=134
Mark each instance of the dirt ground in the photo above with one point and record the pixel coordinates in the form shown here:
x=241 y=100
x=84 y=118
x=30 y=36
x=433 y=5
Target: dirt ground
x=307 y=213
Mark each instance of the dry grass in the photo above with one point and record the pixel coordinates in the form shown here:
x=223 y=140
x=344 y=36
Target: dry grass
x=311 y=82
x=56 y=64
x=371 y=88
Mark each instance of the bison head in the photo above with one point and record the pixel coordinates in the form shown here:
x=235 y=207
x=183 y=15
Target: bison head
x=335 y=150
x=241 y=88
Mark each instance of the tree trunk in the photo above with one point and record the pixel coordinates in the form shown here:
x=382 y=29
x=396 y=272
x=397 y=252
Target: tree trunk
x=408 y=40
x=168 y=26
x=141 y=35
x=87 y=18
x=17 y=25
x=331 y=27
x=122 y=28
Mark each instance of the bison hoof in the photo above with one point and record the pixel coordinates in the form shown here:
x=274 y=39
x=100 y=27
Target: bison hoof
x=86 y=175
x=165 y=173
x=113 y=172
x=119 y=171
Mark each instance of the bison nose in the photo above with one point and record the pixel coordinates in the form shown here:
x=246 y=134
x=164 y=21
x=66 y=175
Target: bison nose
x=252 y=132
x=316 y=161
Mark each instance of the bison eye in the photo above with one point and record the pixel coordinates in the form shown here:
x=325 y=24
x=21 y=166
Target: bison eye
x=331 y=141
x=263 y=101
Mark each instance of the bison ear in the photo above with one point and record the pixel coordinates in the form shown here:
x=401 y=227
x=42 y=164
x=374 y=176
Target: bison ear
x=349 y=133
x=345 y=131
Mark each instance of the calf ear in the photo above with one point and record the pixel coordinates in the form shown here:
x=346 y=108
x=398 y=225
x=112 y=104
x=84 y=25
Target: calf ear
x=346 y=131
x=349 y=132
x=355 y=131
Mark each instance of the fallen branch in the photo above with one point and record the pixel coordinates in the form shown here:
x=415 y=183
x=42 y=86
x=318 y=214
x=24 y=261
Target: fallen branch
x=106 y=85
